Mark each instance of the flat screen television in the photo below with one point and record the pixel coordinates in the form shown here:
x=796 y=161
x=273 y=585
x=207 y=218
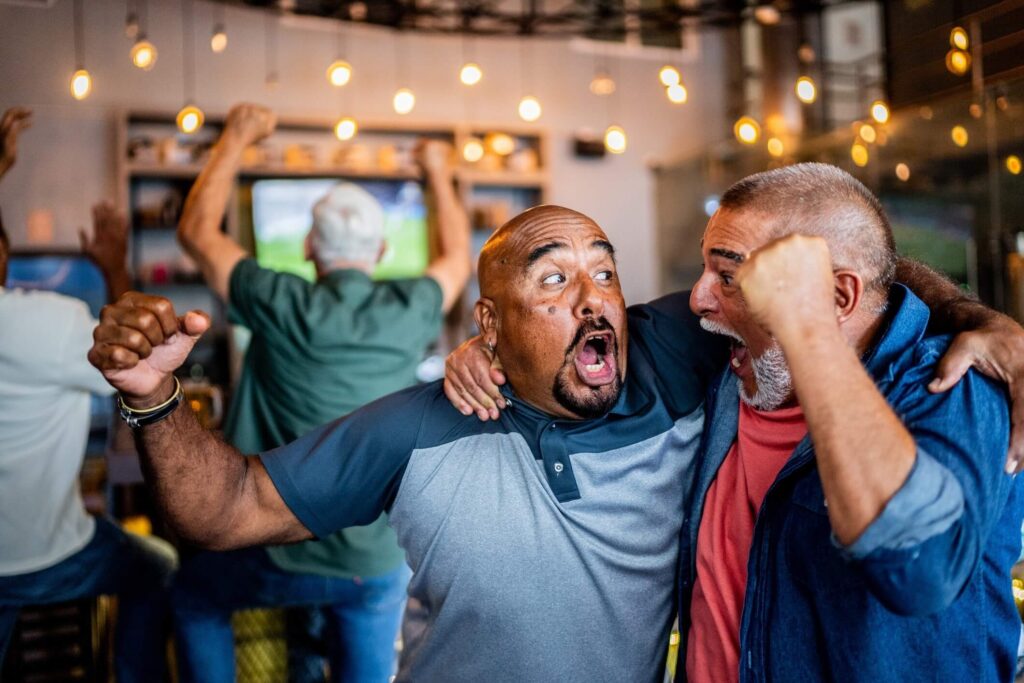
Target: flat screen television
x=282 y=213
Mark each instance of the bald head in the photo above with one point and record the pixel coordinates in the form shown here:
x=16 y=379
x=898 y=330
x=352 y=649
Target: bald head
x=823 y=200
x=513 y=246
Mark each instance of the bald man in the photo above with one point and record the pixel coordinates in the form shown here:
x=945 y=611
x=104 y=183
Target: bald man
x=544 y=544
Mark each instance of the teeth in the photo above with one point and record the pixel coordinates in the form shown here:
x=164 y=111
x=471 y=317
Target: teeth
x=595 y=367
x=735 y=362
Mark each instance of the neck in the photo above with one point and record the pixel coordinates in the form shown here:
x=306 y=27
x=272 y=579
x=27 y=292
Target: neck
x=323 y=269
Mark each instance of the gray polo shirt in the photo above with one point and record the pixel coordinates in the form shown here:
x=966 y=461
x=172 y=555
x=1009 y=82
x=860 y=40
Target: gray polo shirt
x=543 y=549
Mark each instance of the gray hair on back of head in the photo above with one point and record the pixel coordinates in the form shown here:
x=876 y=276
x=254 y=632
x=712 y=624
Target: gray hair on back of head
x=825 y=201
x=348 y=225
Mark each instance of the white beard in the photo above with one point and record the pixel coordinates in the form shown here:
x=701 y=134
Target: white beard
x=771 y=373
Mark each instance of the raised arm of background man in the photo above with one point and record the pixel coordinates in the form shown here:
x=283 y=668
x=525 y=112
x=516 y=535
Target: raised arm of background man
x=449 y=225
x=12 y=123
x=210 y=493
x=199 y=229
x=108 y=248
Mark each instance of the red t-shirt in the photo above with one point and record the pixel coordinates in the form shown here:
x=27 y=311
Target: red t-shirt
x=764 y=442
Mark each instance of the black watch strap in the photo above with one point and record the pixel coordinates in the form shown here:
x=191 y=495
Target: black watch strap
x=135 y=418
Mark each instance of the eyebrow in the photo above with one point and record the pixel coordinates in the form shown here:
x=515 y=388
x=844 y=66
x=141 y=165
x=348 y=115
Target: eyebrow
x=543 y=250
x=606 y=246
x=727 y=254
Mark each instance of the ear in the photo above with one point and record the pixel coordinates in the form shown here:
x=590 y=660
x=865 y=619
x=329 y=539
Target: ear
x=307 y=246
x=849 y=289
x=486 y=316
x=383 y=250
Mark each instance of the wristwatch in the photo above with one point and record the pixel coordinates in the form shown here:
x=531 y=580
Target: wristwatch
x=136 y=418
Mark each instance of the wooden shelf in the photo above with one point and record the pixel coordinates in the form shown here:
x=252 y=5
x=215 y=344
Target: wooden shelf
x=187 y=171
x=535 y=179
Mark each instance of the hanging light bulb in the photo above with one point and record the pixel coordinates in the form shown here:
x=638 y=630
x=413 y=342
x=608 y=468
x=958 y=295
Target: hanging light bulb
x=767 y=14
x=867 y=133
x=775 y=147
x=345 y=128
x=880 y=111
x=473 y=150
x=669 y=75
x=958 y=62
x=190 y=119
x=470 y=74
x=903 y=171
x=806 y=91
x=219 y=39
x=131 y=25
x=339 y=73
x=602 y=84
x=959 y=136
x=404 y=101
x=615 y=139
x=1013 y=164
x=958 y=38
x=859 y=154
x=529 y=108
x=143 y=54
x=81 y=84
x=677 y=93
x=746 y=130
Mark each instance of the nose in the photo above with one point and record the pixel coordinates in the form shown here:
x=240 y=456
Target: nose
x=702 y=299
x=589 y=302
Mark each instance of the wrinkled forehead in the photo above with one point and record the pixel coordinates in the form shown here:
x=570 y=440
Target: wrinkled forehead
x=552 y=230
x=737 y=231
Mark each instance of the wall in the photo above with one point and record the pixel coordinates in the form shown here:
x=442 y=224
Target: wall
x=67 y=160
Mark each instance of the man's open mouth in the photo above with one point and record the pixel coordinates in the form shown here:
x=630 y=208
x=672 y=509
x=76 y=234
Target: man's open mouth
x=739 y=356
x=595 y=359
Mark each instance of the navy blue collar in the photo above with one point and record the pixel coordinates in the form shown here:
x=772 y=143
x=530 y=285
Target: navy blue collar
x=906 y=323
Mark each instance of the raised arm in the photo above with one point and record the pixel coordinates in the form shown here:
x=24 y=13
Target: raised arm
x=211 y=494
x=12 y=123
x=199 y=229
x=108 y=248
x=449 y=224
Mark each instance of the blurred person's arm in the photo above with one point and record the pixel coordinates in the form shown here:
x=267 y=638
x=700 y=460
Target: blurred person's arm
x=199 y=229
x=108 y=248
x=449 y=224
x=13 y=122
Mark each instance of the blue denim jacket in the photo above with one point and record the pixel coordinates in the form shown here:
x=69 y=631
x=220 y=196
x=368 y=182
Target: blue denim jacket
x=924 y=593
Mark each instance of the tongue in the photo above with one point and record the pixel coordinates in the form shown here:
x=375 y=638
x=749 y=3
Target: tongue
x=588 y=355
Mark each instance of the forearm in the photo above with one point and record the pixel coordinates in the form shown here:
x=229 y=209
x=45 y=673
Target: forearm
x=450 y=235
x=207 y=201
x=953 y=309
x=118 y=282
x=864 y=453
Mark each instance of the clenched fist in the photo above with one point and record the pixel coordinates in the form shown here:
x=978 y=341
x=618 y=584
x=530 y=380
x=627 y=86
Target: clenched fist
x=788 y=284
x=249 y=123
x=140 y=342
x=433 y=156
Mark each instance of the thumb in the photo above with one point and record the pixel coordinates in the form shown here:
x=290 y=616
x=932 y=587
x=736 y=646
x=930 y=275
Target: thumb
x=953 y=366
x=497 y=376
x=194 y=323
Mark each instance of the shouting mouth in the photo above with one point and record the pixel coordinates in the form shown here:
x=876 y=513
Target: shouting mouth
x=739 y=359
x=595 y=359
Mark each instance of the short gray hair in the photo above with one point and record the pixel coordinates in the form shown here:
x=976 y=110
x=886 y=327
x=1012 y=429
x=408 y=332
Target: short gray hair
x=348 y=225
x=826 y=201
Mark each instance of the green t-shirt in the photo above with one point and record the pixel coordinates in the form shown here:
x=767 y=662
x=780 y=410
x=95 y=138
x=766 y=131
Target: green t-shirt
x=319 y=351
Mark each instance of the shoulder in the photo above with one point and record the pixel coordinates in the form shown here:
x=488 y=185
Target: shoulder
x=419 y=292
x=43 y=305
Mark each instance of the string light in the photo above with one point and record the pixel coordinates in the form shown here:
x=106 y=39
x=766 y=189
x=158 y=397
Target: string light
x=767 y=14
x=143 y=54
x=903 y=172
x=81 y=84
x=958 y=38
x=473 y=150
x=747 y=130
x=959 y=136
x=404 y=101
x=1013 y=164
x=219 y=39
x=345 y=128
x=470 y=74
x=775 y=147
x=880 y=111
x=677 y=93
x=190 y=119
x=81 y=81
x=602 y=84
x=867 y=133
x=669 y=76
x=806 y=91
x=859 y=154
x=529 y=108
x=615 y=139
x=501 y=144
x=958 y=62
x=339 y=73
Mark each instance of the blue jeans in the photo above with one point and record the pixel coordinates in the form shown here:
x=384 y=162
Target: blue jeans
x=137 y=570
x=362 y=614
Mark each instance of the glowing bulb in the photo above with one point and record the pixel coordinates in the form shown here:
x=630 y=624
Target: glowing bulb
x=473 y=150
x=867 y=133
x=404 y=101
x=767 y=14
x=190 y=119
x=81 y=84
x=806 y=91
x=1013 y=164
x=339 y=73
x=219 y=39
x=501 y=144
x=975 y=110
x=775 y=147
x=880 y=111
x=669 y=76
x=746 y=130
x=529 y=108
x=677 y=93
x=859 y=154
x=903 y=172
x=615 y=140
x=345 y=128
x=959 y=136
x=602 y=84
x=470 y=74
x=958 y=38
x=958 y=61
x=143 y=54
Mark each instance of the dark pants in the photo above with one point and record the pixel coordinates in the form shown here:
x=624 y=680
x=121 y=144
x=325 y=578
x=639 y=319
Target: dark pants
x=136 y=569
x=362 y=614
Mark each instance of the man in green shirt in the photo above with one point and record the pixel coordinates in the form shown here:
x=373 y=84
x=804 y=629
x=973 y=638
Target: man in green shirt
x=318 y=350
